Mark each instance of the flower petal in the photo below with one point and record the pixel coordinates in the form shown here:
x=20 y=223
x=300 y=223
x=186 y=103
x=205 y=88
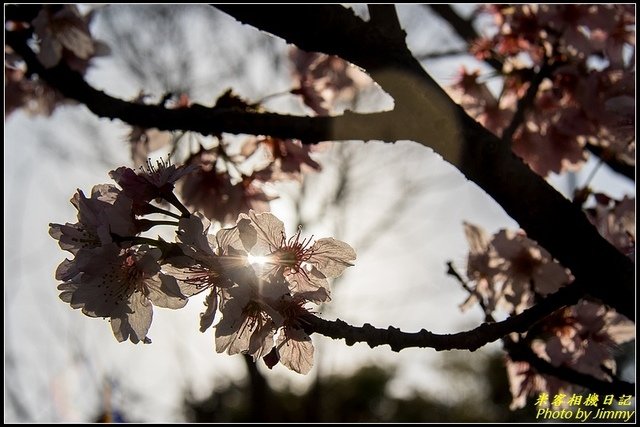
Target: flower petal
x=192 y=233
x=270 y=232
x=163 y=291
x=308 y=283
x=295 y=350
x=135 y=323
x=207 y=318
x=477 y=238
x=332 y=256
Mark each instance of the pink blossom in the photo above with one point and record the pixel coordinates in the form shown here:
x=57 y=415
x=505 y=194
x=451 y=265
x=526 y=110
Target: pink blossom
x=293 y=348
x=525 y=264
x=107 y=212
x=214 y=193
x=290 y=157
x=30 y=93
x=60 y=28
x=582 y=338
x=248 y=321
x=305 y=266
x=482 y=268
x=121 y=284
x=525 y=381
x=509 y=269
x=150 y=183
x=545 y=148
x=325 y=80
x=143 y=141
x=615 y=221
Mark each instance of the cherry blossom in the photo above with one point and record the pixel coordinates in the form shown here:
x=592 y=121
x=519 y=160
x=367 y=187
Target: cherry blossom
x=526 y=266
x=216 y=195
x=248 y=321
x=108 y=211
x=121 y=284
x=60 y=28
x=153 y=182
x=615 y=220
x=289 y=158
x=583 y=337
x=144 y=141
x=482 y=265
x=508 y=269
x=293 y=347
x=30 y=93
x=305 y=266
x=525 y=381
x=576 y=103
x=208 y=263
x=324 y=80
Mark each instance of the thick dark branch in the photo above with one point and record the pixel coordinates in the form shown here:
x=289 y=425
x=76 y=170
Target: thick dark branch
x=430 y=117
x=469 y=340
x=330 y=29
x=463 y=27
x=207 y=121
x=522 y=352
x=384 y=16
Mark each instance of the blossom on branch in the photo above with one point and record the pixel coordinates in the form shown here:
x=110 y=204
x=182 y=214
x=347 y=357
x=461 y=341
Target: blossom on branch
x=305 y=266
x=121 y=284
x=509 y=269
x=248 y=321
x=324 y=80
x=583 y=338
x=107 y=212
x=62 y=28
x=152 y=183
x=217 y=194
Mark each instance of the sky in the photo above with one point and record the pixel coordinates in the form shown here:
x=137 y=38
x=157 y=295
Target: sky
x=58 y=362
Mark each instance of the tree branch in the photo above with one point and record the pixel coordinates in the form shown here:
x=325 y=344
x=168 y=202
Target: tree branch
x=384 y=16
x=521 y=352
x=198 y=118
x=428 y=56
x=463 y=27
x=624 y=169
x=469 y=340
x=430 y=117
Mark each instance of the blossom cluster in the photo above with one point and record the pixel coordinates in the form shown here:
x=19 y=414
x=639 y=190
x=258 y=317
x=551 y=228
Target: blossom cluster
x=509 y=271
x=230 y=175
x=258 y=279
x=586 y=94
x=62 y=35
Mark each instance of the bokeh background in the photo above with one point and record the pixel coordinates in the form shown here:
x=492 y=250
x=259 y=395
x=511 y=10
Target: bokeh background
x=400 y=206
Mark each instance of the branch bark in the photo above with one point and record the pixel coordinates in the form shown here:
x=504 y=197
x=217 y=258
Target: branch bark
x=463 y=27
x=468 y=340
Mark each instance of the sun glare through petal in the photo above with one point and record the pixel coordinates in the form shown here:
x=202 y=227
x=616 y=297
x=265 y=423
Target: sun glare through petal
x=257 y=260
